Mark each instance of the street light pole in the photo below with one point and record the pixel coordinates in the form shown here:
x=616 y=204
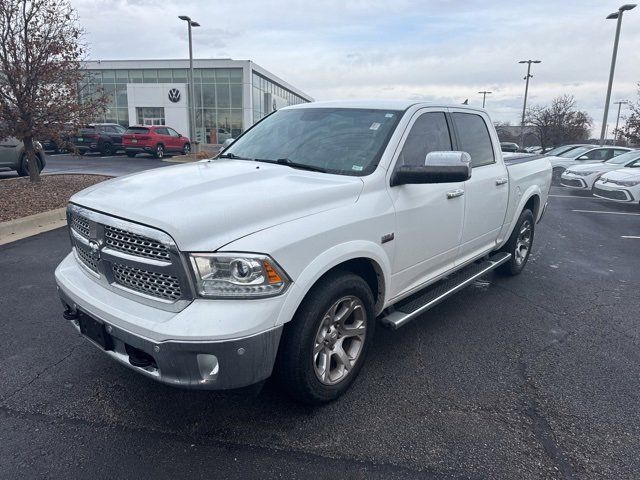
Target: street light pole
x=612 y=16
x=615 y=132
x=526 y=92
x=484 y=96
x=192 y=100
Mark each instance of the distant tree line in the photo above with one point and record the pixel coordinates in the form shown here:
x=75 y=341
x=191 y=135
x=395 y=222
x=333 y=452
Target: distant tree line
x=559 y=123
x=630 y=130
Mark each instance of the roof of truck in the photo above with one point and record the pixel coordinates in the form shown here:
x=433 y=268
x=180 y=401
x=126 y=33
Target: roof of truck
x=378 y=104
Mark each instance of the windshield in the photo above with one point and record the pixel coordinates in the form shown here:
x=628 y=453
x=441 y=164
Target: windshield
x=624 y=158
x=345 y=141
x=575 y=152
x=558 y=150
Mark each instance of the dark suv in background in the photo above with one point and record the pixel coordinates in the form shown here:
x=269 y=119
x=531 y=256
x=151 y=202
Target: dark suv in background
x=105 y=138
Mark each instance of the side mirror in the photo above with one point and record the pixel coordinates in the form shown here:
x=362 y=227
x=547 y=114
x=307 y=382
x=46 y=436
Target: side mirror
x=227 y=142
x=439 y=167
x=179 y=135
x=583 y=157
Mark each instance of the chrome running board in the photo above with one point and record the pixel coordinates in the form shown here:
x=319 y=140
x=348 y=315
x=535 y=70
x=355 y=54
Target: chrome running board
x=406 y=310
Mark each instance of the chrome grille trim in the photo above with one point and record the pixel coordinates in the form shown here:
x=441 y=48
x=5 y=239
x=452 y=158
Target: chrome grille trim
x=134 y=244
x=110 y=254
x=149 y=283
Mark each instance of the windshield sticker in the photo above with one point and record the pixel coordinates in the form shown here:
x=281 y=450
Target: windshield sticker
x=389 y=115
x=374 y=126
x=357 y=168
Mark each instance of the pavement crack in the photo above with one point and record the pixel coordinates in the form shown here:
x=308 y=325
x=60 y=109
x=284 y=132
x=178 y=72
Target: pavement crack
x=41 y=372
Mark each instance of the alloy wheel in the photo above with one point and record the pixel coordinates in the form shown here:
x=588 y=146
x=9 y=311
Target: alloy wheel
x=523 y=243
x=339 y=340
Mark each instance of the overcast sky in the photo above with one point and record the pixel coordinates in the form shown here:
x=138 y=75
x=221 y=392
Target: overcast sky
x=436 y=50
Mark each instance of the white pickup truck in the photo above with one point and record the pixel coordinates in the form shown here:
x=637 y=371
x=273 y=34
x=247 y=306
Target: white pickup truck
x=281 y=255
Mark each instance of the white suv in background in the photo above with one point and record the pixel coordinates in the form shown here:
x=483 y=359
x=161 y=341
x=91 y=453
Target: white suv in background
x=582 y=177
x=580 y=156
x=621 y=185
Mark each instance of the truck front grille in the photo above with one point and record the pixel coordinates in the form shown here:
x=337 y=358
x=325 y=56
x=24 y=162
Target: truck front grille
x=148 y=283
x=137 y=245
x=133 y=260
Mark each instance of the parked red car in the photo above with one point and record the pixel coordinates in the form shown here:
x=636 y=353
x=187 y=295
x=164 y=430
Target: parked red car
x=156 y=140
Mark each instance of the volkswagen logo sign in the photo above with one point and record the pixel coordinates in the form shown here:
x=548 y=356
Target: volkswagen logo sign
x=174 y=95
x=94 y=246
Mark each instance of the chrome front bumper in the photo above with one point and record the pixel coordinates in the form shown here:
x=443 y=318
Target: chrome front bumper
x=219 y=365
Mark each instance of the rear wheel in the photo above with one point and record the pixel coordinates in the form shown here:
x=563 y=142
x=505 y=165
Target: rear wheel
x=519 y=244
x=159 y=153
x=23 y=168
x=324 y=347
x=107 y=149
x=556 y=176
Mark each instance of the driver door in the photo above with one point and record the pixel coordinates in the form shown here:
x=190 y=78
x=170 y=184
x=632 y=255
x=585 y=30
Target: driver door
x=428 y=218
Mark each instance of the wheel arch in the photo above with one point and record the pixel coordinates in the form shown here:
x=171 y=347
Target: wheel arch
x=373 y=266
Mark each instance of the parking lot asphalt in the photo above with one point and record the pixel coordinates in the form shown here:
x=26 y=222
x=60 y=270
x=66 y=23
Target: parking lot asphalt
x=536 y=376
x=94 y=163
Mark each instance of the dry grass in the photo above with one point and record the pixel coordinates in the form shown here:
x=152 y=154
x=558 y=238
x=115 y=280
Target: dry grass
x=20 y=198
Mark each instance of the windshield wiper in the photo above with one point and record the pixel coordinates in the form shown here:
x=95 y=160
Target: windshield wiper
x=292 y=164
x=233 y=156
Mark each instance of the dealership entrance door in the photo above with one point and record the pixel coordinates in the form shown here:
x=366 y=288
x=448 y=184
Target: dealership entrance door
x=150 y=115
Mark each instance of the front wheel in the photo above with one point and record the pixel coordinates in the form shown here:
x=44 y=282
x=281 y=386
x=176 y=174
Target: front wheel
x=186 y=150
x=519 y=244
x=323 y=348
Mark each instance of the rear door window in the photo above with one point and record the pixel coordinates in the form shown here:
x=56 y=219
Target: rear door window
x=430 y=133
x=473 y=138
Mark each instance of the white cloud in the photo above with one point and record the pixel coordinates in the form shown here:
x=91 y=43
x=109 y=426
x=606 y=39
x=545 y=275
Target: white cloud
x=439 y=49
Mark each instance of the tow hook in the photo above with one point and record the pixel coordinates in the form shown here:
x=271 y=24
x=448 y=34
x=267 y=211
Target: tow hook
x=70 y=313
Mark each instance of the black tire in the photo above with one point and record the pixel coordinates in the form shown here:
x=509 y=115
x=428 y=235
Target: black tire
x=296 y=364
x=107 y=149
x=186 y=150
x=131 y=155
x=515 y=244
x=159 y=152
x=23 y=168
x=556 y=175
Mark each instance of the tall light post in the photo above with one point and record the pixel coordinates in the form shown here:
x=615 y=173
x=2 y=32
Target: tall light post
x=526 y=92
x=192 y=100
x=613 y=16
x=615 y=132
x=484 y=96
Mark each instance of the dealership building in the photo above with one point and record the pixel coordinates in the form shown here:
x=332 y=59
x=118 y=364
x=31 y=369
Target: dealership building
x=229 y=95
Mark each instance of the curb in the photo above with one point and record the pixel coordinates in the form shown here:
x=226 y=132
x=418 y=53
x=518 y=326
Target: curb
x=32 y=225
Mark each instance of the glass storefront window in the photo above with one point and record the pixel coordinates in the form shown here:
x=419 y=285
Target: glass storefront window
x=235 y=75
x=121 y=95
x=150 y=115
x=236 y=96
x=208 y=75
x=122 y=76
x=180 y=75
x=108 y=76
x=222 y=75
x=135 y=76
x=223 y=96
x=164 y=76
x=150 y=76
x=208 y=95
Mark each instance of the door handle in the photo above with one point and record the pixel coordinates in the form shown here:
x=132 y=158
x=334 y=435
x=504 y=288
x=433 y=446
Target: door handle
x=502 y=181
x=458 y=192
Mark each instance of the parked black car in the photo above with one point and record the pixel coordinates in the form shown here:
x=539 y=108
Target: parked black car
x=105 y=138
x=509 y=147
x=60 y=143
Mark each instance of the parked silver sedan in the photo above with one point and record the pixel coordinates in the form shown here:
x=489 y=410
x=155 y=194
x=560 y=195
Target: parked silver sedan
x=583 y=177
x=12 y=156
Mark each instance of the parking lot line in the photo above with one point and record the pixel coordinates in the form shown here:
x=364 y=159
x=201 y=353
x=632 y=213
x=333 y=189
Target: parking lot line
x=630 y=236
x=604 y=211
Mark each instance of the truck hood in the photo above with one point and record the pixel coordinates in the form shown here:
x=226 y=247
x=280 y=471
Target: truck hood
x=206 y=205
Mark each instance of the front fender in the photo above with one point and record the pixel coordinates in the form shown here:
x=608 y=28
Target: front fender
x=327 y=260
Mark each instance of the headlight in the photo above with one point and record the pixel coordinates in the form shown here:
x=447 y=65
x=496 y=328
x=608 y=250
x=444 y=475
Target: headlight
x=628 y=183
x=242 y=275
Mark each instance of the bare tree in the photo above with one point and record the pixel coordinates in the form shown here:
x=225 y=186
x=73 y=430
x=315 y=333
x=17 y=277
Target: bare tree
x=559 y=123
x=631 y=128
x=41 y=73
